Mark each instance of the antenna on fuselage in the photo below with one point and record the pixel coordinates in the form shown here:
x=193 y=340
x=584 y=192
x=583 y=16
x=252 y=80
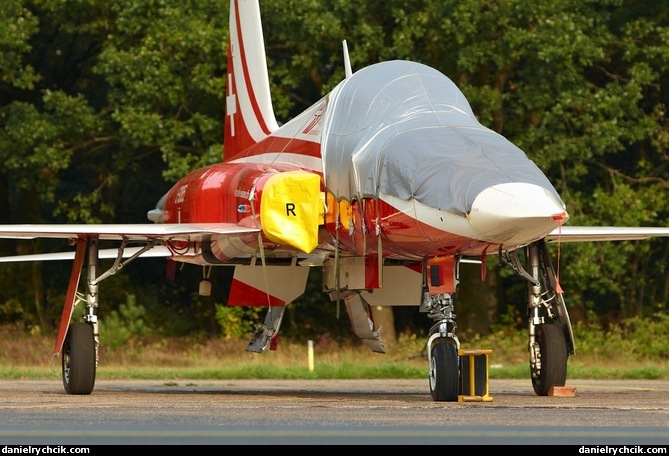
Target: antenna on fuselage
x=347 y=60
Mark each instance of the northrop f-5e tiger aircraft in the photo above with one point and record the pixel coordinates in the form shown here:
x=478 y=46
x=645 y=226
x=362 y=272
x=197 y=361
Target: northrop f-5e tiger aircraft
x=388 y=183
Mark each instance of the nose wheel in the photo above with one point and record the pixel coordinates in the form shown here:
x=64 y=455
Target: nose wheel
x=444 y=372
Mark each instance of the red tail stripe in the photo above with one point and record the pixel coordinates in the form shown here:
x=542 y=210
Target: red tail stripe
x=247 y=78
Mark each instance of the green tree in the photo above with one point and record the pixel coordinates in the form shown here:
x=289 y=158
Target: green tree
x=103 y=105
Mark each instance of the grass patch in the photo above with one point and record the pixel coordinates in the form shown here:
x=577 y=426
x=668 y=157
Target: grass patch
x=26 y=356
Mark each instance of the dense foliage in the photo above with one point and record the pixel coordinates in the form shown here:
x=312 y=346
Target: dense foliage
x=105 y=104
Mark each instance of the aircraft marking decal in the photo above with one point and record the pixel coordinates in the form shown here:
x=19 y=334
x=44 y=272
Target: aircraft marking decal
x=231 y=103
x=315 y=121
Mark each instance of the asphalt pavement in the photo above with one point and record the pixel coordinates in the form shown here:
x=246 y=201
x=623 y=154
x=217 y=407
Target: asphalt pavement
x=339 y=412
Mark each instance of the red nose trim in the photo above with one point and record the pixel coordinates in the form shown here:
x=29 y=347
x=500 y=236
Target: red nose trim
x=559 y=217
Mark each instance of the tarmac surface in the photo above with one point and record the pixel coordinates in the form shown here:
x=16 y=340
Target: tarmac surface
x=342 y=412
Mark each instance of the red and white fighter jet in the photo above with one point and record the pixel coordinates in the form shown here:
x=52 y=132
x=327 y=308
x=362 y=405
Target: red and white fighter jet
x=387 y=183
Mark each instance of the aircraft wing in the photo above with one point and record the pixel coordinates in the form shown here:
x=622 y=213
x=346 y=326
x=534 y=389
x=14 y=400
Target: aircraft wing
x=605 y=233
x=157 y=251
x=134 y=232
x=145 y=233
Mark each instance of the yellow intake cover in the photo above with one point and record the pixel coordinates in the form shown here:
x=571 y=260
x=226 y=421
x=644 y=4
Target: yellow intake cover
x=291 y=209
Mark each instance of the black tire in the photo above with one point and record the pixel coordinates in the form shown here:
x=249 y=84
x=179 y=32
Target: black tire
x=553 y=350
x=444 y=372
x=78 y=359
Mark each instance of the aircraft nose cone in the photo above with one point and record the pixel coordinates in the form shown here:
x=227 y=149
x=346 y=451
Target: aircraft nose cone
x=516 y=213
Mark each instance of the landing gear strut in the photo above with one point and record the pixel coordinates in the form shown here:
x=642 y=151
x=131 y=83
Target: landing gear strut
x=80 y=346
x=440 y=279
x=551 y=340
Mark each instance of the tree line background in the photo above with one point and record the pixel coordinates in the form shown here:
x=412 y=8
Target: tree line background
x=104 y=104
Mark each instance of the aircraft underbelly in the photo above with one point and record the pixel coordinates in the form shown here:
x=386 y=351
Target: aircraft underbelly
x=402 y=286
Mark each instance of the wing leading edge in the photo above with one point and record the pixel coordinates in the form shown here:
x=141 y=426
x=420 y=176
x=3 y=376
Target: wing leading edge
x=119 y=232
x=605 y=233
x=159 y=235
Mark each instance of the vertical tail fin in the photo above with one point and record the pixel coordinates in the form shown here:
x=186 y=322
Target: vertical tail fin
x=249 y=116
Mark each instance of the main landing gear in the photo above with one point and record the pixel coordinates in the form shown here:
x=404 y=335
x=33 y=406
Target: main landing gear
x=551 y=338
x=79 y=354
x=79 y=344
